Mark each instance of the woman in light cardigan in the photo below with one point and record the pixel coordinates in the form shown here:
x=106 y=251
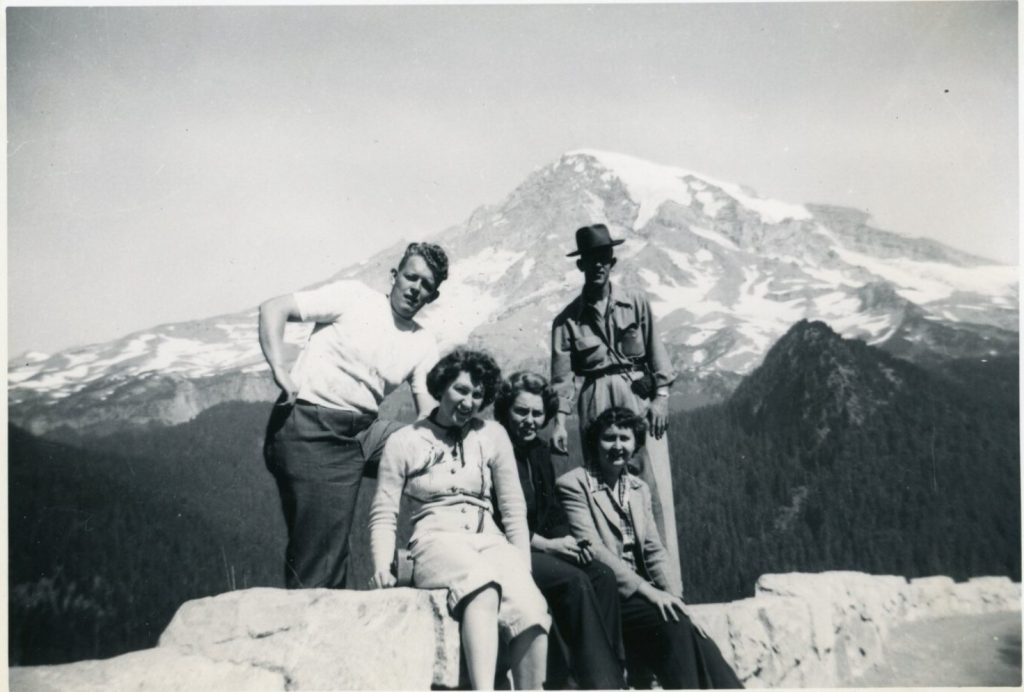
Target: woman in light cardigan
x=448 y=464
x=611 y=508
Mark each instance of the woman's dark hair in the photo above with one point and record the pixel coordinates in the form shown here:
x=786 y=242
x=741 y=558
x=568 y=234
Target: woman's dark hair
x=620 y=418
x=433 y=255
x=480 y=366
x=524 y=381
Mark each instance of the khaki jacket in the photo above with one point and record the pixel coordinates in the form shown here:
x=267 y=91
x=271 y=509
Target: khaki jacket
x=593 y=517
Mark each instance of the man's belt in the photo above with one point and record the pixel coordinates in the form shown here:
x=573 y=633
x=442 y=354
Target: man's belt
x=620 y=369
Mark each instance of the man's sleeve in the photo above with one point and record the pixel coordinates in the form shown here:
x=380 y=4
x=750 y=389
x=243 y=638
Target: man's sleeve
x=326 y=303
x=563 y=381
x=418 y=380
x=658 y=359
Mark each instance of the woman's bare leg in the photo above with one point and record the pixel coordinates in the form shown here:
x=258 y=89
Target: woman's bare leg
x=480 y=637
x=528 y=654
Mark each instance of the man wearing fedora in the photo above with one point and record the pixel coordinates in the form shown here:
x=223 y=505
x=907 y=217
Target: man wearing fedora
x=606 y=336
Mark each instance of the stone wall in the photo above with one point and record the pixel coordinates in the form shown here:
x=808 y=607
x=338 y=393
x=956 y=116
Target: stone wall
x=799 y=630
x=822 y=630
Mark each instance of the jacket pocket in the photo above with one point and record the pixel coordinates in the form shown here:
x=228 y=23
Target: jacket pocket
x=628 y=335
x=588 y=352
x=631 y=341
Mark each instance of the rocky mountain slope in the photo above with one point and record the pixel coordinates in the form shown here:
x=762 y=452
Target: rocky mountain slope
x=728 y=272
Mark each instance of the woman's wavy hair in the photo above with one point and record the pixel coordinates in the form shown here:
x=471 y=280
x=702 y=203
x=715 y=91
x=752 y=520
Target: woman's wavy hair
x=479 y=364
x=620 y=418
x=524 y=381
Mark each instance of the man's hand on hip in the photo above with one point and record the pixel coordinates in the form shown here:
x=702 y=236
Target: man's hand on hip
x=284 y=380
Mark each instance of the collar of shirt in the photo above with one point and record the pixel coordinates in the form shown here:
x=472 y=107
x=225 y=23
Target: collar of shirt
x=582 y=305
x=597 y=484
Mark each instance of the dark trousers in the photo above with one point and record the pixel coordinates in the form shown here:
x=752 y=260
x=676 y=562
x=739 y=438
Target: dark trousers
x=676 y=652
x=318 y=456
x=584 y=604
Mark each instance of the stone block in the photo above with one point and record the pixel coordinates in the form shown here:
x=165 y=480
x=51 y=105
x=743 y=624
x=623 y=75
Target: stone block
x=149 y=670
x=932 y=597
x=326 y=639
x=991 y=594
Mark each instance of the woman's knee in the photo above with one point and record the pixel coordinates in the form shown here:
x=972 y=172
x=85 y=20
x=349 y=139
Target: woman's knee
x=536 y=635
x=487 y=596
x=602 y=578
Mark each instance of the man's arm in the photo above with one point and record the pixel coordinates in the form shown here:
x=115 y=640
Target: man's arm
x=563 y=381
x=661 y=367
x=421 y=398
x=274 y=314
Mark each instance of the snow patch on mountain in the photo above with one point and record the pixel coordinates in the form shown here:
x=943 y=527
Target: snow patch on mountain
x=871 y=329
x=630 y=248
x=756 y=305
x=714 y=237
x=484 y=267
x=710 y=204
x=196 y=358
x=667 y=295
x=155 y=352
x=836 y=302
x=830 y=278
x=650 y=185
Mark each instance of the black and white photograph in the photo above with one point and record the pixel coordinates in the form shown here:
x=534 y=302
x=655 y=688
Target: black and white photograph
x=513 y=346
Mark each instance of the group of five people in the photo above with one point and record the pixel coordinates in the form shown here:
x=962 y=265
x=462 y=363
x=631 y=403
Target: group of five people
x=594 y=550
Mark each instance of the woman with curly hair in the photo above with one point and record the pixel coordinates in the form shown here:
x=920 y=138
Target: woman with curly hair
x=611 y=508
x=581 y=592
x=450 y=465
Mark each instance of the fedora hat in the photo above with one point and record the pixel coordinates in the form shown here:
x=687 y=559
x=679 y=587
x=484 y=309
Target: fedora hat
x=595 y=237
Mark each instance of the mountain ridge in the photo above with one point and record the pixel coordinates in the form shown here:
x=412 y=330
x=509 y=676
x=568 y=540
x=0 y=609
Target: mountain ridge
x=727 y=272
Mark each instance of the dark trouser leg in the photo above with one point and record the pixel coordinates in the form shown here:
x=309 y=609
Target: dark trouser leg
x=581 y=620
x=677 y=652
x=317 y=462
x=606 y=591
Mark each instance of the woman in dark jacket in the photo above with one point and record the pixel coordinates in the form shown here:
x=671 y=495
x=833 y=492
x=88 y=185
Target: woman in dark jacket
x=581 y=592
x=611 y=508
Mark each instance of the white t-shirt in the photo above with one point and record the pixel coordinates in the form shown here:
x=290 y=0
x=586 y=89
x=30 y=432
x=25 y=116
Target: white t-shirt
x=360 y=350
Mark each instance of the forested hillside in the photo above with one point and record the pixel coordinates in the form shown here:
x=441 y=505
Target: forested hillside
x=835 y=455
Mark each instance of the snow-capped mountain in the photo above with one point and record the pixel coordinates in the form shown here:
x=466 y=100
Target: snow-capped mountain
x=728 y=273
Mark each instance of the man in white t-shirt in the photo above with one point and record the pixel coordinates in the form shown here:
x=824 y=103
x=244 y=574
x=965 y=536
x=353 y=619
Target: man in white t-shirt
x=324 y=432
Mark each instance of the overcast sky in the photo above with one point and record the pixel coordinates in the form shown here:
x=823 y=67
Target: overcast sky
x=173 y=163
